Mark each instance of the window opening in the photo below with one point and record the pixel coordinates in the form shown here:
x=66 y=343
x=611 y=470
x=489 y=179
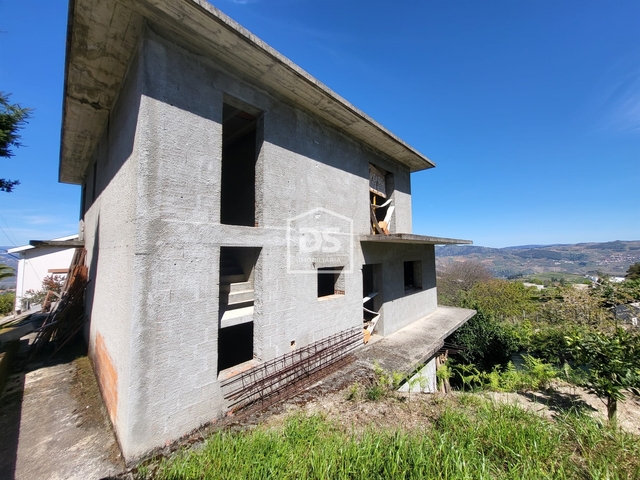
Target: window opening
x=235 y=345
x=371 y=297
x=412 y=276
x=239 y=154
x=330 y=281
x=380 y=190
x=235 y=329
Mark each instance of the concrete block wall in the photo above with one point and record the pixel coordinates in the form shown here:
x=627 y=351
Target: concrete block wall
x=174 y=332
x=153 y=236
x=401 y=308
x=110 y=202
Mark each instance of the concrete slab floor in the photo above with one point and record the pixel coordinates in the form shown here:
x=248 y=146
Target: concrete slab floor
x=52 y=422
x=416 y=343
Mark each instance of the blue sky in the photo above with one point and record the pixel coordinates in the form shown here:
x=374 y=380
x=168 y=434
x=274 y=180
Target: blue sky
x=530 y=109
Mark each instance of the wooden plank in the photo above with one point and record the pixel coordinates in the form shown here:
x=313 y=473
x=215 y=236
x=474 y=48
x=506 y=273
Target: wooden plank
x=369 y=297
x=383 y=205
x=374 y=223
x=373 y=323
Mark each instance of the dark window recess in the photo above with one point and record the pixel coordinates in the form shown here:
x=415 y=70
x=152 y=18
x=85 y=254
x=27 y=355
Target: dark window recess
x=235 y=345
x=412 y=275
x=235 y=342
x=371 y=289
x=239 y=155
x=330 y=281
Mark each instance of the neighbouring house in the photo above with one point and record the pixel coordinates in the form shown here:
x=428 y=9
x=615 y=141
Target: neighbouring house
x=41 y=259
x=241 y=220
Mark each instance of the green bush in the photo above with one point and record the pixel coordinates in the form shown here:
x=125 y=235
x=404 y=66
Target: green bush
x=549 y=343
x=7 y=302
x=486 y=342
x=534 y=375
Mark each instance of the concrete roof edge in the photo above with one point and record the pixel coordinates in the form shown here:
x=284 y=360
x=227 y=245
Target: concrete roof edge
x=413 y=238
x=295 y=68
x=67 y=48
x=29 y=247
x=73 y=151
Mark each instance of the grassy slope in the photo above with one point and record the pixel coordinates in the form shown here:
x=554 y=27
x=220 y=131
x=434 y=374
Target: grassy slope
x=465 y=438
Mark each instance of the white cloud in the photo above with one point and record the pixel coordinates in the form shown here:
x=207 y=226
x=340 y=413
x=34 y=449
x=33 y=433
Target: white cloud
x=616 y=98
x=40 y=219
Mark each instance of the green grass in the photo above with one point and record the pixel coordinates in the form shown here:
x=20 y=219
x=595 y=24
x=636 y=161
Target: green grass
x=469 y=440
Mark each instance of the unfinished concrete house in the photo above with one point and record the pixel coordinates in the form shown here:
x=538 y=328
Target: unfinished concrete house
x=243 y=223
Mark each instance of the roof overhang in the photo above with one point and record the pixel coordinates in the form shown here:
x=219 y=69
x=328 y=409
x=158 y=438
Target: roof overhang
x=63 y=242
x=103 y=36
x=413 y=239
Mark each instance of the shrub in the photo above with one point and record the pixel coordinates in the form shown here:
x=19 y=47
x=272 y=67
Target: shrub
x=549 y=343
x=612 y=363
x=534 y=375
x=7 y=302
x=486 y=342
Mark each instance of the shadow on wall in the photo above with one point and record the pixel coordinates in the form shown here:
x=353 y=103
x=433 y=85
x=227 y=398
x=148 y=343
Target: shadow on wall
x=116 y=145
x=394 y=273
x=91 y=286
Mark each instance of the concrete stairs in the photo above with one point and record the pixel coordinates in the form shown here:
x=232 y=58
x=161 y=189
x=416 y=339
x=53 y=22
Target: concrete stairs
x=236 y=294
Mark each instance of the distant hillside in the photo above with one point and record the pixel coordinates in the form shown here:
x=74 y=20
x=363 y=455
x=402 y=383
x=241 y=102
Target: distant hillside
x=12 y=261
x=612 y=258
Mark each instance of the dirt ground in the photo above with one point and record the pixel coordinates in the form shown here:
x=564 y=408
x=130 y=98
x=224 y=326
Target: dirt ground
x=563 y=396
x=416 y=410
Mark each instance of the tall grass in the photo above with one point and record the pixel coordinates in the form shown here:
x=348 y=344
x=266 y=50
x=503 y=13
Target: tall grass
x=480 y=441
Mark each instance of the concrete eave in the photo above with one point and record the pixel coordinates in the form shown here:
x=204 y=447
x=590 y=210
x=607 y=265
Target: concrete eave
x=414 y=239
x=103 y=36
x=57 y=243
x=62 y=241
x=413 y=345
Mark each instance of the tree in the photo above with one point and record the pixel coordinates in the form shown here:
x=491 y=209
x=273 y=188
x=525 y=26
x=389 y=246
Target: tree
x=569 y=305
x=612 y=363
x=611 y=294
x=502 y=298
x=485 y=342
x=458 y=278
x=12 y=118
x=634 y=272
x=6 y=271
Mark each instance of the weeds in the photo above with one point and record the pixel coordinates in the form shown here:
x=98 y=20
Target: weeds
x=534 y=375
x=478 y=440
x=353 y=392
x=383 y=384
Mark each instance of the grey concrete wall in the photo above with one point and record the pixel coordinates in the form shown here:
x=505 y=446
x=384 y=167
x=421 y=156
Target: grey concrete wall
x=174 y=333
x=109 y=230
x=401 y=308
x=154 y=235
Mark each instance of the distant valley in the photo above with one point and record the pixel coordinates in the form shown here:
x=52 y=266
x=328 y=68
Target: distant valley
x=611 y=258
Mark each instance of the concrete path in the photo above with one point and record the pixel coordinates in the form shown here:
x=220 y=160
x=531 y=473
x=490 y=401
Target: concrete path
x=52 y=423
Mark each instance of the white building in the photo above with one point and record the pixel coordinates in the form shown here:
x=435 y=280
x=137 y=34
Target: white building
x=39 y=261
